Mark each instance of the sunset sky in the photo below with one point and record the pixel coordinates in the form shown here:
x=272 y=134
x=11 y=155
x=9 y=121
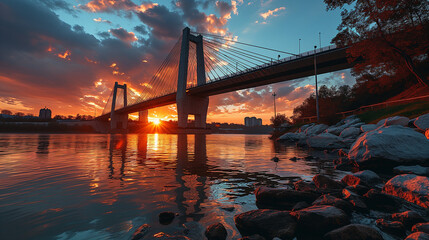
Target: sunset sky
x=66 y=55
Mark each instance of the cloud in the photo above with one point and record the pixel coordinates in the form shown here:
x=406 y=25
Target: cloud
x=122 y=34
x=115 y=5
x=265 y=15
x=101 y=20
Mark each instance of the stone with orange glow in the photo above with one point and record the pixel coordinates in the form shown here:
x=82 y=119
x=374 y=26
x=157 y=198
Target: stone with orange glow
x=421 y=227
x=319 y=220
x=408 y=218
x=281 y=198
x=366 y=177
x=325 y=183
x=392 y=227
x=327 y=199
x=216 y=231
x=267 y=223
x=389 y=146
x=395 y=120
x=422 y=122
x=418 y=236
x=410 y=187
x=354 y=232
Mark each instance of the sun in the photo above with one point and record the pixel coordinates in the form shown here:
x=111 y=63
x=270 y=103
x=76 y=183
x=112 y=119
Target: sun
x=156 y=121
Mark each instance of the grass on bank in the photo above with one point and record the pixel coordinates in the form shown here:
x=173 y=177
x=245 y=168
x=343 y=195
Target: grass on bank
x=410 y=110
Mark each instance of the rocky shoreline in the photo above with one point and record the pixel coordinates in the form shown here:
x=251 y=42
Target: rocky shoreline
x=385 y=197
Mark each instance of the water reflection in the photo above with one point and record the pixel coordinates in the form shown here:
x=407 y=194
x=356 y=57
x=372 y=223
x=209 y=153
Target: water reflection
x=107 y=185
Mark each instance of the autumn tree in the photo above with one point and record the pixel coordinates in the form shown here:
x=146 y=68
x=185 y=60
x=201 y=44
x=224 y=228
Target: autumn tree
x=6 y=112
x=391 y=36
x=279 y=120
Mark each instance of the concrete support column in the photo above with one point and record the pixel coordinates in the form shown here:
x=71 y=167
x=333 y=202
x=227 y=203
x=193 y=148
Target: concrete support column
x=186 y=104
x=118 y=122
x=143 y=116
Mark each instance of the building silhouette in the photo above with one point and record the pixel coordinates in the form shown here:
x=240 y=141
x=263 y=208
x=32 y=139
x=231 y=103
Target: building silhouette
x=45 y=113
x=252 y=121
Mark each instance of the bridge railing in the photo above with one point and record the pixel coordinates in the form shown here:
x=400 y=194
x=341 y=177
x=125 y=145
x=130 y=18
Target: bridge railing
x=273 y=62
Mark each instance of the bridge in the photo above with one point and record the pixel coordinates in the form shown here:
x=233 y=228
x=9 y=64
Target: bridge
x=203 y=65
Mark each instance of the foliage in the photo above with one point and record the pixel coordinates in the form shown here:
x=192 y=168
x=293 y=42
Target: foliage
x=390 y=36
x=279 y=120
x=6 y=112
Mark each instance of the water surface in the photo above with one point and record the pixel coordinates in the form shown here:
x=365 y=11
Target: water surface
x=81 y=186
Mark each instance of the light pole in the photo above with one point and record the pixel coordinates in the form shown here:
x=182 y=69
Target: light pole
x=274 y=96
x=315 y=77
x=320 y=40
x=299 y=47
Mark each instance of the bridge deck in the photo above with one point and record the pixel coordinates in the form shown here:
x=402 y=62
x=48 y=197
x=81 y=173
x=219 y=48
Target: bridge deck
x=327 y=61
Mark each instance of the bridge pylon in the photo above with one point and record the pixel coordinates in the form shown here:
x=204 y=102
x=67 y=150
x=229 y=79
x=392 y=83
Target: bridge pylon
x=186 y=104
x=118 y=122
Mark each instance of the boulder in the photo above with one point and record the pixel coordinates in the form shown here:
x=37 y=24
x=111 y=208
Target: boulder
x=380 y=201
x=396 y=120
x=165 y=236
x=320 y=219
x=216 y=231
x=368 y=127
x=253 y=237
x=410 y=187
x=300 y=205
x=350 y=132
x=292 y=137
x=354 y=232
x=357 y=201
x=303 y=185
x=166 y=218
x=389 y=146
x=392 y=227
x=408 y=218
x=304 y=127
x=325 y=183
x=316 y=129
x=416 y=169
x=421 y=227
x=366 y=177
x=418 y=236
x=422 y=122
x=327 y=199
x=141 y=232
x=359 y=189
x=267 y=223
x=325 y=141
x=282 y=199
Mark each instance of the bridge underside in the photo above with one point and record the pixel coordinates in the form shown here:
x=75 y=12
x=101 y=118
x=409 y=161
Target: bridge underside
x=330 y=61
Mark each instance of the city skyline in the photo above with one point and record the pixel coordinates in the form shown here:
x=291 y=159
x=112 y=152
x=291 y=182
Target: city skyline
x=67 y=55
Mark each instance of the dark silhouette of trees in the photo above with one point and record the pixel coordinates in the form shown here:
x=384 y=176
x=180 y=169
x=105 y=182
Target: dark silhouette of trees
x=6 y=112
x=392 y=37
x=279 y=120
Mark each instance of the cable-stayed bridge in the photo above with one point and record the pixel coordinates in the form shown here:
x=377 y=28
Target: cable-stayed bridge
x=203 y=65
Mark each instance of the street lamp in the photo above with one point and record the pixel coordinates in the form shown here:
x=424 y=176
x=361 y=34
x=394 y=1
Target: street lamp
x=299 y=47
x=315 y=78
x=274 y=96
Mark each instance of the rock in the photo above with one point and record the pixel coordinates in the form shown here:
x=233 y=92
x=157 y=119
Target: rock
x=320 y=219
x=165 y=236
x=325 y=141
x=316 y=129
x=359 y=189
x=380 y=201
x=427 y=133
x=141 y=232
x=343 y=124
x=327 y=199
x=417 y=170
x=166 y=218
x=293 y=159
x=292 y=137
x=303 y=128
x=421 y=227
x=368 y=127
x=422 y=122
x=410 y=187
x=323 y=182
x=216 y=231
x=229 y=209
x=418 y=236
x=396 y=120
x=300 y=205
x=350 y=132
x=267 y=223
x=193 y=230
x=281 y=199
x=305 y=186
x=366 y=177
x=393 y=227
x=389 y=146
x=253 y=237
x=354 y=232
x=356 y=200
x=408 y=218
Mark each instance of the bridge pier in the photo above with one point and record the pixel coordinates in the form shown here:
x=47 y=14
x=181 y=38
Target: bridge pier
x=191 y=105
x=118 y=121
x=143 y=116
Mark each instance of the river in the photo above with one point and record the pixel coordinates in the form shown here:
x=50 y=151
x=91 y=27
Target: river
x=84 y=186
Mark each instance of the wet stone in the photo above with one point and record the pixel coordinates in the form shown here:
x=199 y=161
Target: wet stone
x=166 y=218
x=418 y=236
x=141 y=232
x=392 y=227
x=421 y=227
x=354 y=232
x=408 y=218
x=216 y=232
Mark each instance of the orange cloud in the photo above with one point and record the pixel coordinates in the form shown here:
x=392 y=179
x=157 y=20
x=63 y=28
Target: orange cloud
x=65 y=55
x=265 y=15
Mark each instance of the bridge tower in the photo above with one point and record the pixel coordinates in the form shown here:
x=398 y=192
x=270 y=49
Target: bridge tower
x=118 y=122
x=191 y=105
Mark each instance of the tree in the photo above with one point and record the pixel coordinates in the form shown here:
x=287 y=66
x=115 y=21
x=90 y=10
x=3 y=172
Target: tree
x=6 y=112
x=392 y=36
x=279 y=120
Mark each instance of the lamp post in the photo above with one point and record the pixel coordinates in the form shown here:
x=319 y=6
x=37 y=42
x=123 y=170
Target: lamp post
x=274 y=96
x=320 y=40
x=315 y=78
x=299 y=47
